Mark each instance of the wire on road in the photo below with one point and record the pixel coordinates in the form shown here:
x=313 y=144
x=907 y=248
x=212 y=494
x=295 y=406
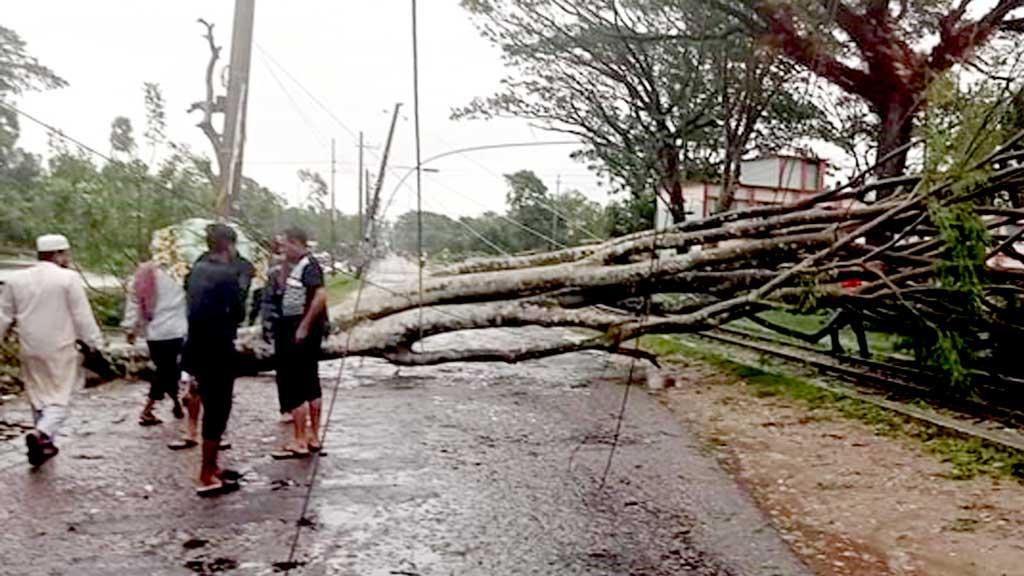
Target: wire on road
x=323 y=436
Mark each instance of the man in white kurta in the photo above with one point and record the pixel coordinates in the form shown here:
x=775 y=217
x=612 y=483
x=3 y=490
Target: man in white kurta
x=48 y=307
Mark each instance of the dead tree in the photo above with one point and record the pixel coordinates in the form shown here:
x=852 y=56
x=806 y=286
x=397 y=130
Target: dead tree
x=210 y=105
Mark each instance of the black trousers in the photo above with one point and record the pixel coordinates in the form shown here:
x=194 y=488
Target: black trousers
x=166 y=355
x=216 y=390
x=298 y=375
x=210 y=356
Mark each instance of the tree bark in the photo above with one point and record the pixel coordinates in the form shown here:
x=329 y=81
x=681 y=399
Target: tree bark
x=672 y=181
x=720 y=268
x=895 y=132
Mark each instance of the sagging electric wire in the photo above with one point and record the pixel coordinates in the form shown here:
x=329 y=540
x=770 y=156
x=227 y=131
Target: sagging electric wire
x=361 y=277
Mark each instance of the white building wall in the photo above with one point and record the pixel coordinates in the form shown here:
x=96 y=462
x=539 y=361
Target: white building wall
x=786 y=173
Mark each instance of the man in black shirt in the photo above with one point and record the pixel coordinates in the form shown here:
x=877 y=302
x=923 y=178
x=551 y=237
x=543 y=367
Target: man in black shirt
x=244 y=272
x=299 y=330
x=215 y=309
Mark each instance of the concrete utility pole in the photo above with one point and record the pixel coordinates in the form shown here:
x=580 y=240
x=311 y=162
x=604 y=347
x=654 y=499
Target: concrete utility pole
x=554 y=214
x=360 y=184
x=234 y=113
x=334 y=223
x=374 y=201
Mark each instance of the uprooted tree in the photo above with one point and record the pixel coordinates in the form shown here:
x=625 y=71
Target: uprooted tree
x=934 y=251
x=932 y=278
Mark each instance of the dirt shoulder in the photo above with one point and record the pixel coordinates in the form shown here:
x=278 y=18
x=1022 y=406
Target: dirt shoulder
x=848 y=499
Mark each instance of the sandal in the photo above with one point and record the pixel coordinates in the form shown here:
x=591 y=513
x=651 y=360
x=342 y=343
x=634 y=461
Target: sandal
x=35 y=455
x=47 y=451
x=218 y=488
x=148 y=419
x=183 y=444
x=40 y=449
x=228 y=475
x=289 y=453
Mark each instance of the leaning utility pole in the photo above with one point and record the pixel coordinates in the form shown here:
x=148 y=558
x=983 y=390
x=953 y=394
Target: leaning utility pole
x=234 y=113
x=367 y=182
x=334 y=223
x=374 y=201
x=360 y=184
x=554 y=214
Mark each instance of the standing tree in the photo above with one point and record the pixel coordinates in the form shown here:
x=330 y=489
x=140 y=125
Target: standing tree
x=875 y=50
x=654 y=98
x=527 y=200
x=19 y=170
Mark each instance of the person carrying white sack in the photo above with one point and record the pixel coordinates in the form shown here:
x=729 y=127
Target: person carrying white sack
x=48 y=306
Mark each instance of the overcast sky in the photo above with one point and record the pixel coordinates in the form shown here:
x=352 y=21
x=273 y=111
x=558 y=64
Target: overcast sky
x=355 y=56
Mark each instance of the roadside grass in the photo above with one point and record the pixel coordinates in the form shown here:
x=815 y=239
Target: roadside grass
x=969 y=456
x=338 y=287
x=878 y=342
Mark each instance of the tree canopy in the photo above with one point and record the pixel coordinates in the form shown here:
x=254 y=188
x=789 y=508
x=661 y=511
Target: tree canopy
x=883 y=52
x=653 y=98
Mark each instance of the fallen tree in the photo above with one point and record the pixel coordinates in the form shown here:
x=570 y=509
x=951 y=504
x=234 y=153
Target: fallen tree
x=925 y=259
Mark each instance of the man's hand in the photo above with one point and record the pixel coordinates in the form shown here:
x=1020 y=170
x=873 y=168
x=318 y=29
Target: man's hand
x=301 y=333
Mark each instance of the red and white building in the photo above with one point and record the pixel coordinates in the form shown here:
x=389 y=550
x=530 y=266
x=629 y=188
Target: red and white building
x=763 y=181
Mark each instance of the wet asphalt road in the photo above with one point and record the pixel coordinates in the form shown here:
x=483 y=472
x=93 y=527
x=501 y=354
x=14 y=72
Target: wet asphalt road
x=451 y=470
x=464 y=469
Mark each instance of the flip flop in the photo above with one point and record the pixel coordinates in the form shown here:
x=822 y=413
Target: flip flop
x=289 y=453
x=218 y=488
x=224 y=445
x=314 y=449
x=47 y=451
x=34 y=453
x=182 y=444
x=231 y=476
x=149 y=420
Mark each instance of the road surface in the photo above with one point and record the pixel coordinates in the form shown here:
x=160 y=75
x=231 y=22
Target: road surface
x=466 y=469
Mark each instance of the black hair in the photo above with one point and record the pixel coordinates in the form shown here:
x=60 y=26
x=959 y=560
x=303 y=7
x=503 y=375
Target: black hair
x=220 y=237
x=296 y=234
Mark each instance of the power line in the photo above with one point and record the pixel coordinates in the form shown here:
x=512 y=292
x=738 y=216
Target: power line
x=64 y=135
x=506 y=218
x=295 y=105
x=459 y=151
x=480 y=236
x=546 y=205
x=57 y=131
x=308 y=93
x=352 y=133
x=323 y=438
x=419 y=163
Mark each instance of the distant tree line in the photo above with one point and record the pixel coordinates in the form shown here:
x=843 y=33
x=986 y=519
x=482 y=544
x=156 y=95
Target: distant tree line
x=108 y=202
x=535 y=219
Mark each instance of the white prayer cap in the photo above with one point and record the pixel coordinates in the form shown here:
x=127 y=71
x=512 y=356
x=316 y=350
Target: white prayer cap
x=52 y=243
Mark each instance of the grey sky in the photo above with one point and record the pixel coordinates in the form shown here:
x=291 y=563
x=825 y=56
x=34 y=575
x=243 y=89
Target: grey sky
x=352 y=55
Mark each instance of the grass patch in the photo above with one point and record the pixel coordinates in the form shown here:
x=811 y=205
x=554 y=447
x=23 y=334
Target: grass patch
x=878 y=342
x=969 y=456
x=340 y=286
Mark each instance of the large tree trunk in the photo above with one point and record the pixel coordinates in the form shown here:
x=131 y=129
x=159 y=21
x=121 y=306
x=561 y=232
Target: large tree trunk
x=730 y=178
x=670 y=172
x=895 y=130
x=726 y=266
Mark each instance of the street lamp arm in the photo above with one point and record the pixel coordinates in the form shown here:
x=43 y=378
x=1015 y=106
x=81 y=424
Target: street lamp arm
x=455 y=151
x=496 y=146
